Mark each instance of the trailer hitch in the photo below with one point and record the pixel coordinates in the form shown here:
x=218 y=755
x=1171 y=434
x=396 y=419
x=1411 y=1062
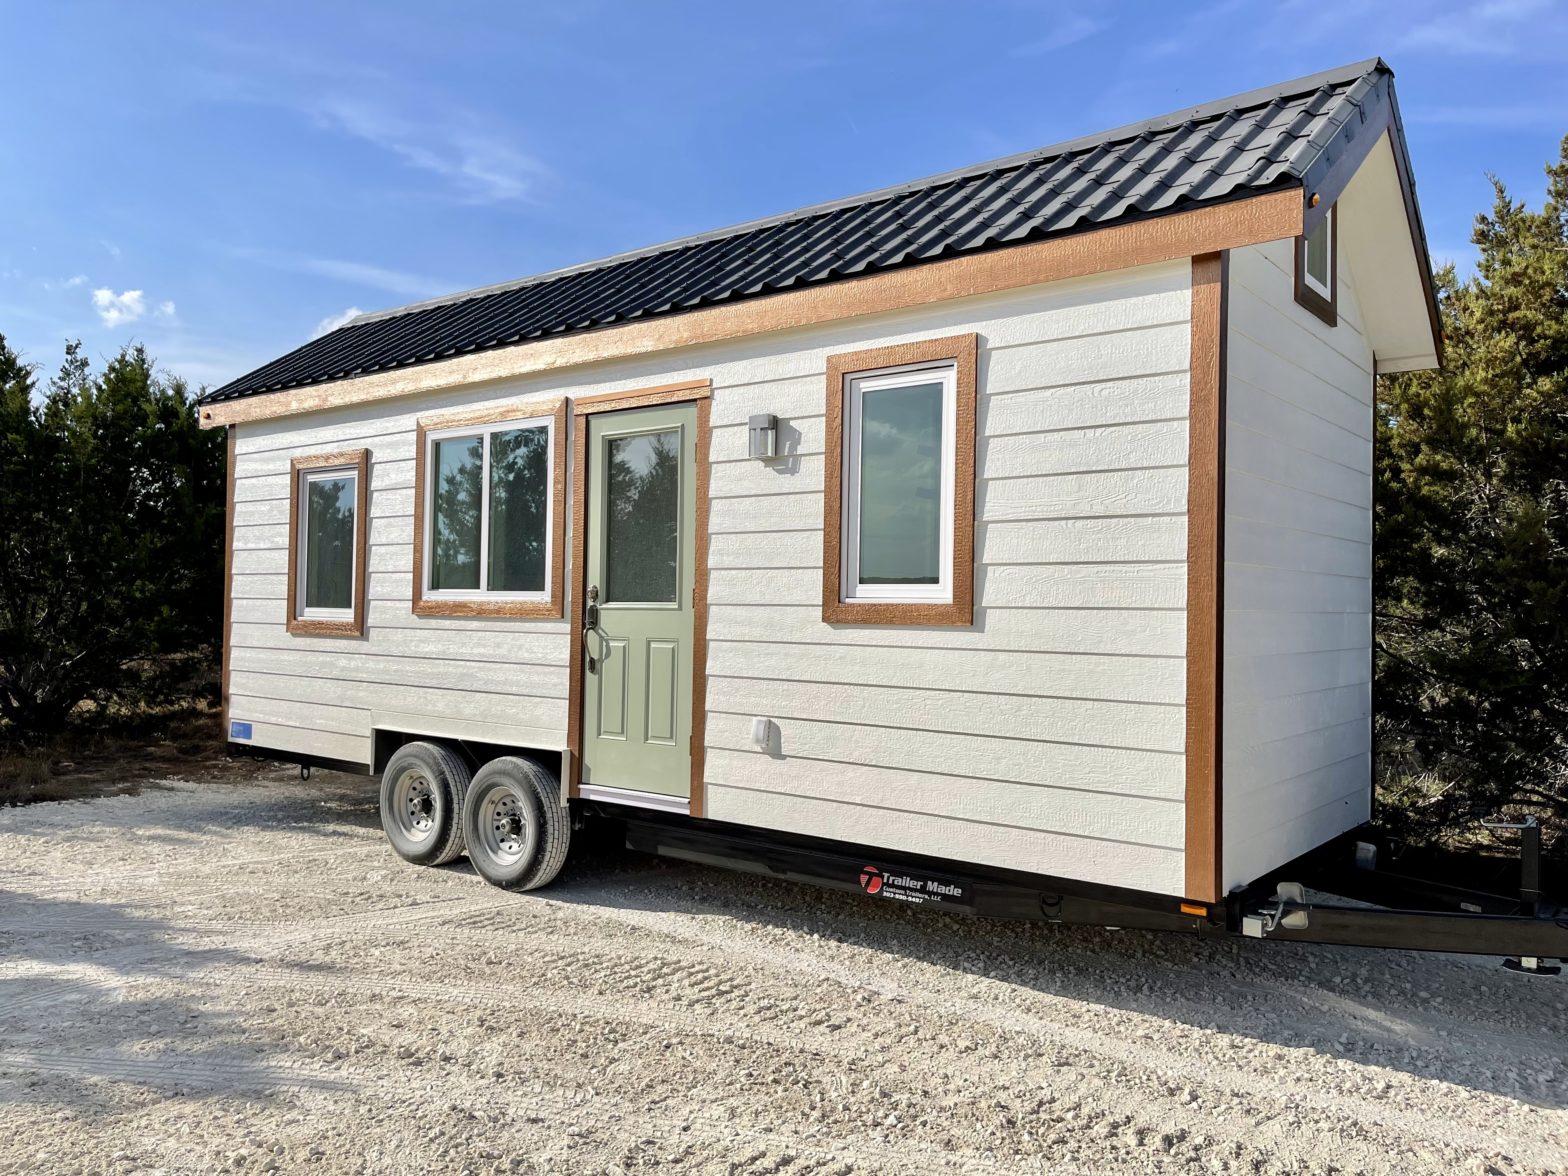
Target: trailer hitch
x=1289 y=910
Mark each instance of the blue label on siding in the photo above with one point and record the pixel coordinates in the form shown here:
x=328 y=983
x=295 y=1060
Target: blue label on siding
x=238 y=730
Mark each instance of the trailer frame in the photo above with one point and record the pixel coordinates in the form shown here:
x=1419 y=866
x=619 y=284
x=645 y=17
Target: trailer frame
x=1335 y=895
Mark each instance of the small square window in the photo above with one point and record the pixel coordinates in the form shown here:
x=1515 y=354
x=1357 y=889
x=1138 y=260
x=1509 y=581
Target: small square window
x=1317 y=269
x=327 y=544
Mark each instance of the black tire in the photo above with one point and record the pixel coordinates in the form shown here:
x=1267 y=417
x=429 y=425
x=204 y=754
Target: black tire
x=422 y=791
x=516 y=828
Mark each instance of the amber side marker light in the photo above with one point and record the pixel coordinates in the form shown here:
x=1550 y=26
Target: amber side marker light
x=1194 y=908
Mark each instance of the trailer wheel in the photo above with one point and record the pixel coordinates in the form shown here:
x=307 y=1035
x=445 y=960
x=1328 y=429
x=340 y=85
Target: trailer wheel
x=515 y=825
x=422 y=790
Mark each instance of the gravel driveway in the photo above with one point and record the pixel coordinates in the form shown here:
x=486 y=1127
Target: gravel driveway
x=244 y=978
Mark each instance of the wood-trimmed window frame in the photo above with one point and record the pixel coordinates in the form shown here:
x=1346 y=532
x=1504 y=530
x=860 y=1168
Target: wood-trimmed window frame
x=359 y=461
x=1326 y=308
x=553 y=606
x=960 y=351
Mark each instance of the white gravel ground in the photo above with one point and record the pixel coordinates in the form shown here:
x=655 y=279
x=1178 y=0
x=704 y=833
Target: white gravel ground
x=244 y=978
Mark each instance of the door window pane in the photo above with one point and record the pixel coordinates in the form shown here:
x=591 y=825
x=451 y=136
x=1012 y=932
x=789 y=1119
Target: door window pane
x=519 y=502
x=454 y=513
x=329 y=542
x=901 y=485
x=642 y=539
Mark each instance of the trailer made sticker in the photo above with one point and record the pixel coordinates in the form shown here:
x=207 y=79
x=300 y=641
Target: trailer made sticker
x=914 y=888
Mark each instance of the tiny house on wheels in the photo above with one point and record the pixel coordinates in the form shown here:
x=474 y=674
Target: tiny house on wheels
x=999 y=541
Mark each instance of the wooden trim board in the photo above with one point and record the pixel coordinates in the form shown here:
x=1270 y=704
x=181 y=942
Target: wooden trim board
x=228 y=579
x=1173 y=237
x=641 y=397
x=697 y=803
x=1205 y=576
x=582 y=408
x=962 y=351
x=310 y=626
x=554 y=605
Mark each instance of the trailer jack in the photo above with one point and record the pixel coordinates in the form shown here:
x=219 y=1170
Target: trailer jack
x=1531 y=966
x=1289 y=909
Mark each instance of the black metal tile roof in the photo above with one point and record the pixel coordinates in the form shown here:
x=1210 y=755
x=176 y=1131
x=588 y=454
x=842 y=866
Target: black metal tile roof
x=1251 y=143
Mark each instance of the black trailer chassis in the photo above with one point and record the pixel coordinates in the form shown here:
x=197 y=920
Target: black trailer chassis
x=1336 y=895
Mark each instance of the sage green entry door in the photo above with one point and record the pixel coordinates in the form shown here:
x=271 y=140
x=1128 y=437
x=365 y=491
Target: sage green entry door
x=637 y=615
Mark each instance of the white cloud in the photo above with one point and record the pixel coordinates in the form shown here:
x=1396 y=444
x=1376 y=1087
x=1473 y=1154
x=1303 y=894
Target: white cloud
x=357 y=273
x=165 y=310
x=360 y=273
x=115 y=309
x=1489 y=28
x=111 y=248
x=483 y=166
x=332 y=322
x=1070 y=28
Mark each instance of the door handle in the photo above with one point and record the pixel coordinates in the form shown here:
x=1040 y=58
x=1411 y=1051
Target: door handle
x=591 y=625
x=593 y=661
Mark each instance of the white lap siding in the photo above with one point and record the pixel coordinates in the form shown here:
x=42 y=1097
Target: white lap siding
x=1298 y=568
x=1048 y=737
x=500 y=681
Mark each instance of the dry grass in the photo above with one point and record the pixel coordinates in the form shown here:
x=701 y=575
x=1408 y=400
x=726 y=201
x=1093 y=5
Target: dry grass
x=26 y=779
x=103 y=753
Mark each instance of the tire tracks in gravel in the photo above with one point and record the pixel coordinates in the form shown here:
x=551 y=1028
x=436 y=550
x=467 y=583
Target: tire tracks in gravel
x=747 y=988
x=857 y=1047
x=784 y=1152
x=1273 y=976
x=1087 y=1043
x=1145 y=1056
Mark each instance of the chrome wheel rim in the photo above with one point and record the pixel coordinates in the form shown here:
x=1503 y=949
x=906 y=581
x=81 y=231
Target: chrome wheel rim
x=414 y=805
x=506 y=826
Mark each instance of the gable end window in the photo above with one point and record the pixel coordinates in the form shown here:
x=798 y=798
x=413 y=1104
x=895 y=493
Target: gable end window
x=489 y=517
x=1317 y=268
x=328 y=498
x=898 y=527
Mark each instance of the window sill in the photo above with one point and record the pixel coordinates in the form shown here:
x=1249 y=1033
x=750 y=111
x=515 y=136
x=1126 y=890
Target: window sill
x=426 y=606
x=915 y=612
x=315 y=627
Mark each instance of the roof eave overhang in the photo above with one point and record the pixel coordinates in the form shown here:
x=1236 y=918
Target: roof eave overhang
x=1374 y=117
x=1232 y=224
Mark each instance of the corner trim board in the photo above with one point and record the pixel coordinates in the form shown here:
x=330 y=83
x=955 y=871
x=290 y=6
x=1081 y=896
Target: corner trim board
x=228 y=578
x=1177 y=236
x=1205 y=578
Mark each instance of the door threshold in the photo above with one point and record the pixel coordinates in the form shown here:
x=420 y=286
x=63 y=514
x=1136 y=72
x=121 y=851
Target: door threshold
x=626 y=796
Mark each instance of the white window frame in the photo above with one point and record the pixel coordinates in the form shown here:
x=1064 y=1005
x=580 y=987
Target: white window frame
x=432 y=483
x=856 y=384
x=1325 y=288
x=325 y=474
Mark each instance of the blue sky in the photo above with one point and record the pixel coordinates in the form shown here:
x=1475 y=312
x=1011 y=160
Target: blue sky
x=223 y=180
